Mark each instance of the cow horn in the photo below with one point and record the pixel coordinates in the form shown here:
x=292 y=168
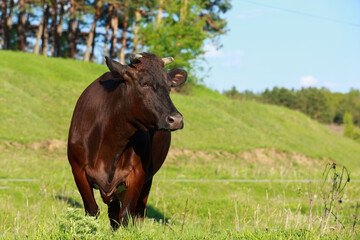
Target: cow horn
x=135 y=57
x=168 y=60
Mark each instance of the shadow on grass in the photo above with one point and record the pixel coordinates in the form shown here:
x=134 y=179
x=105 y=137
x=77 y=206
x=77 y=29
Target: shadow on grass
x=69 y=200
x=154 y=213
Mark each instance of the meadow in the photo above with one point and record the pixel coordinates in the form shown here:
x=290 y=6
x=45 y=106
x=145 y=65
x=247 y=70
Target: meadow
x=238 y=169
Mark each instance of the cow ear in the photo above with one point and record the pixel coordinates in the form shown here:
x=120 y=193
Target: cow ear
x=115 y=68
x=178 y=76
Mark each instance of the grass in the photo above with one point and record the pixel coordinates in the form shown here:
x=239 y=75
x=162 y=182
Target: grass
x=222 y=139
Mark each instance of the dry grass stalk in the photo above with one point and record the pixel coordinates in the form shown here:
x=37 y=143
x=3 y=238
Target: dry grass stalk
x=182 y=226
x=352 y=232
x=311 y=199
x=237 y=225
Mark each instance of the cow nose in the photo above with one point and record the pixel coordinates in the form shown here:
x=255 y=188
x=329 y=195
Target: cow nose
x=175 y=121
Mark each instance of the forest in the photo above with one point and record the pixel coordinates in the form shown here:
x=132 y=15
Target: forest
x=320 y=104
x=91 y=29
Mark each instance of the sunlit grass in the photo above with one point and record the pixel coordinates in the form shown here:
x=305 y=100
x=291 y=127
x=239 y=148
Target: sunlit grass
x=222 y=140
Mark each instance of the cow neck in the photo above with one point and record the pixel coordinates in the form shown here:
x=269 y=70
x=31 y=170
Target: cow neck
x=119 y=125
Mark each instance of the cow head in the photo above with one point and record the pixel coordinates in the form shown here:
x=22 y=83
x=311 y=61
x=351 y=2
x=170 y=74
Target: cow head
x=148 y=104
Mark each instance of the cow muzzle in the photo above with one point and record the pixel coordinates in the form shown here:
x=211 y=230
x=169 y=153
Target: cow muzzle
x=175 y=121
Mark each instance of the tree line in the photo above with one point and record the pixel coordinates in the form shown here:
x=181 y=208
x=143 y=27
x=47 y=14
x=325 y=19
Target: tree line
x=92 y=29
x=320 y=104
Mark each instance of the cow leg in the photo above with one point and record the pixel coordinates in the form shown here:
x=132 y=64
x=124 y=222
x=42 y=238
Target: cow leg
x=140 y=209
x=134 y=186
x=113 y=213
x=85 y=190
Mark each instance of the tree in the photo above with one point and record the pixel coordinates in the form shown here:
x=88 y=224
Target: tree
x=107 y=28
x=114 y=26
x=59 y=30
x=71 y=30
x=45 y=36
x=91 y=36
x=125 y=24
x=136 y=28
x=168 y=28
x=181 y=32
x=348 y=125
x=3 y=24
x=232 y=93
x=317 y=105
x=53 y=26
x=40 y=30
x=21 y=26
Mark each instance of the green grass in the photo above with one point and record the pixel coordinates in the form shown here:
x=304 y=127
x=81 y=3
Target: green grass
x=213 y=122
x=222 y=139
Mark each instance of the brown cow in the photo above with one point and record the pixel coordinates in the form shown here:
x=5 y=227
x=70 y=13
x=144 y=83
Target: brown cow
x=120 y=134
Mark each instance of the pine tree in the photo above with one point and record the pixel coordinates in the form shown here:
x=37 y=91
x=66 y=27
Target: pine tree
x=3 y=24
x=21 y=26
x=91 y=36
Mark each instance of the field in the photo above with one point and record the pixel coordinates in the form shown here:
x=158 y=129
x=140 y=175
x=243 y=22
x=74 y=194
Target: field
x=238 y=169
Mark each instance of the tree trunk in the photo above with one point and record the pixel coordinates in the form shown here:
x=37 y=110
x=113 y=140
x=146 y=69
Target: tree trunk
x=27 y=24
x=107 y=27
x=39 y=33
x=136 y=29
x=159 y=15
x=53 y=26
x=71 y=34
x=9 y=24
x=45 y=42
x=59 y=30
x=77 y=35
x=21 y=26
x=92 y=49
x=114 y=26
x=124 y=29
x=3 y=24
x=91 y=37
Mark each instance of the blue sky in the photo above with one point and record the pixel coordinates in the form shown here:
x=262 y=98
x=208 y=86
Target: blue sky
x=287 y=43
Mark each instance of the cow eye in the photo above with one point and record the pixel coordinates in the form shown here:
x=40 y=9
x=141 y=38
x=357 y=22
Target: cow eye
x=144 y=84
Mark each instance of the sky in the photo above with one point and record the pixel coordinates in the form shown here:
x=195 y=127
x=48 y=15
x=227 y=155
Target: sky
x=287 y=43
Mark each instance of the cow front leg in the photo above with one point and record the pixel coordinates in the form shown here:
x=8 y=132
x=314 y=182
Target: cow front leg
x=85 y=190
x=134 y=185
x=113 y=213
x=140 y=209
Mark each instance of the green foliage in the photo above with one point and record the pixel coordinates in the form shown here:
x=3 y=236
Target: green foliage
x=319 y=104
x=181 y=33
x=348 y=125
x=175 y=28
x=315 y=104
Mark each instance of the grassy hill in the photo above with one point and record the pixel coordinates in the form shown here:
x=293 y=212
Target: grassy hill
x=38 y=96
x=223 y=139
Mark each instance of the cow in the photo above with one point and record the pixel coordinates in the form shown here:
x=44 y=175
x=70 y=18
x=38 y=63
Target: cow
x=120 y=134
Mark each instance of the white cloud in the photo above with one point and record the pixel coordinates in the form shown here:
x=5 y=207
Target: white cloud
x=212 y=52
x=308 y=81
